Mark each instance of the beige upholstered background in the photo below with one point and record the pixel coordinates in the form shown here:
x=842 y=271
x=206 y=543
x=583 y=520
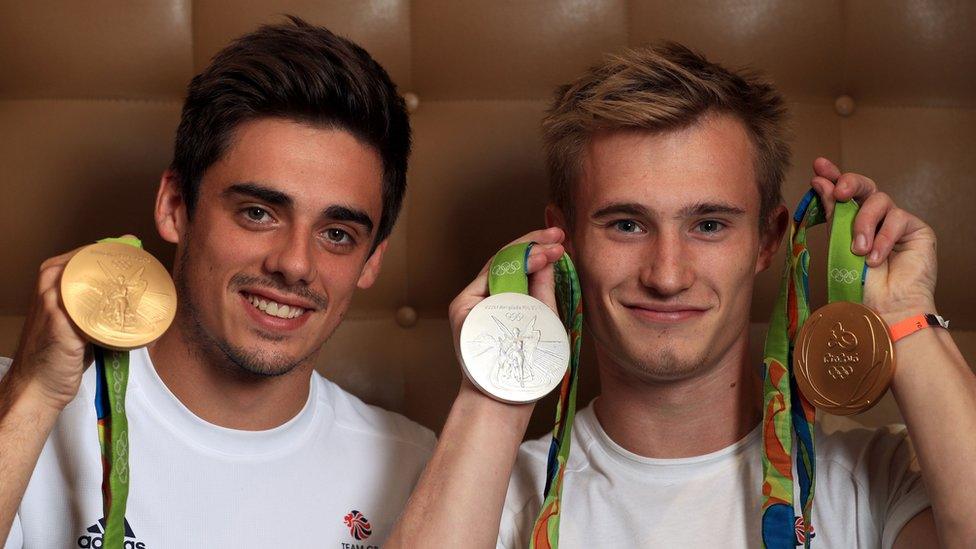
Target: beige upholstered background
x=90 y=95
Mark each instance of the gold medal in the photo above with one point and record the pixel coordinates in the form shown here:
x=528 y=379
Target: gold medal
x=119 y=295
x=844 y=358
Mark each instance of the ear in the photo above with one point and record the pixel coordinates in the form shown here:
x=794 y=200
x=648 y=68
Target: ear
x=371 y=269
x=776 y=226
x=555 y=217
x=170 y=212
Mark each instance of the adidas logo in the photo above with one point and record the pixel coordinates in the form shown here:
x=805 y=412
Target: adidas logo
x=92 y=539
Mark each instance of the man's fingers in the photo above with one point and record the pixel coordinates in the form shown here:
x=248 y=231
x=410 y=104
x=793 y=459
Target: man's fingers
x=874 y=210
x=552 y=235
x=825 y=190
x=854 y=186
x=543 y=255
x=826 y=169
x=895 y=226
x=842 y=186
x=546 y=250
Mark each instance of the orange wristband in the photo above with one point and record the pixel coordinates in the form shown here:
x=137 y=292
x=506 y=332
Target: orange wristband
x=915 y=323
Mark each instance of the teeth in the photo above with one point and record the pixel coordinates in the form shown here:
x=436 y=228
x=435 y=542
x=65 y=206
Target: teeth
x=275 y=309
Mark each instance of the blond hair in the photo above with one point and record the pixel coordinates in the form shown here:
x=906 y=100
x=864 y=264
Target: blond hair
x=662 y=88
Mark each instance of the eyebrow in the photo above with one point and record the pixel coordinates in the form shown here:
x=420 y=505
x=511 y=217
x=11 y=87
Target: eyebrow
x=622 y=208
x=349 y=214
x=694 y=210
x=709 y=208
x=264 y=194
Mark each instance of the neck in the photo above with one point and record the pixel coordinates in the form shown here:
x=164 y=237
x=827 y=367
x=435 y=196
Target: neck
x=219 y=392
x=675 y=419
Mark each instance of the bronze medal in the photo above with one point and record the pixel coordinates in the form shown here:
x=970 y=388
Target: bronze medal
x=119 y=295
x=844 y=358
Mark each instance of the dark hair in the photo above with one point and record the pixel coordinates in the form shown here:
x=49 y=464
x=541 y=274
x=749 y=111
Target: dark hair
x=663 y=88
x=299 y=72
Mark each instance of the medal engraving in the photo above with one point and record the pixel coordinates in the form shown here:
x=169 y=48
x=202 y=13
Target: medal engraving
x=843 y=359
x=120 y=296
x=514 y=347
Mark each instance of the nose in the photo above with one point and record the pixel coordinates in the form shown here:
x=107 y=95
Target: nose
x=291 y=257
x=667 y=269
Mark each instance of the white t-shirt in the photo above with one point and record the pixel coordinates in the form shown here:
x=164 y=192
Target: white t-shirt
x=338 y=469
x=865 y=492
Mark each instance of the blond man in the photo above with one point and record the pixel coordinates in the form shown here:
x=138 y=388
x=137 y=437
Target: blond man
x=665 y=171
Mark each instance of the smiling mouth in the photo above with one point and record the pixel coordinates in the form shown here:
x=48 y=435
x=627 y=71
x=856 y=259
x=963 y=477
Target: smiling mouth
x=665 y=315
x=273 y=308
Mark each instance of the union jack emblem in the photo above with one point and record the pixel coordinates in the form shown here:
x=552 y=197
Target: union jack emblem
x=801 y=534
x=359 y=527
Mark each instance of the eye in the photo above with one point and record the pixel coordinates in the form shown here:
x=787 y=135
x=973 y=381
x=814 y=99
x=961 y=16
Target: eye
x=257 y=214
x=627 y=226
x=710 y=226
x=339 y=236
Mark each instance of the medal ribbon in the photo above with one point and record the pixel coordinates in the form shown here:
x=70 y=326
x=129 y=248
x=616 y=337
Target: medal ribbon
x=508 y=274
x=112 y=375
x=786 y=417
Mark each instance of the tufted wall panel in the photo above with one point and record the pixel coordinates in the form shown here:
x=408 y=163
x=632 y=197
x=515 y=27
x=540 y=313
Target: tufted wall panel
x=90 y=95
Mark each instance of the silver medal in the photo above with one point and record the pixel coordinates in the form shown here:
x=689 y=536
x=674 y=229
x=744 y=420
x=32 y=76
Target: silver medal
x=514 y=348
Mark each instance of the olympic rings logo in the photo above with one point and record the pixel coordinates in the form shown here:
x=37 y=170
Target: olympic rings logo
x=506 y=268
x=844 y=276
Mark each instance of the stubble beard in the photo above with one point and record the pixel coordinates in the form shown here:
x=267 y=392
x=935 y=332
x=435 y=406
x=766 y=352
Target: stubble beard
x=217 y=350
x=656 y=361
x=666 y=364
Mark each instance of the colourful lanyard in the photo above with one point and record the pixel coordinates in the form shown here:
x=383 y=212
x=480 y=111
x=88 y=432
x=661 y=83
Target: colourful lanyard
x=786 y=417
x=545 y=533
x=112 y=375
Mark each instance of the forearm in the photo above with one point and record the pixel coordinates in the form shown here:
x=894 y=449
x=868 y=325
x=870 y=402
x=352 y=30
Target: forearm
x=25 y=423
x=936 y=393
x=459 y=498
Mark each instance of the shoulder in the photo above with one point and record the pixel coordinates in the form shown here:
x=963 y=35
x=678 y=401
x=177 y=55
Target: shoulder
x=364 y=420
x=861 y=450
x=869 y=473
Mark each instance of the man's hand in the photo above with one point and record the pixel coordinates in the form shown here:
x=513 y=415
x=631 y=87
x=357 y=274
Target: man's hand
x=547 y=250
x=51 y=356
x=933 y=386
x=42 y=380
x=900 y=248
x=480 y=440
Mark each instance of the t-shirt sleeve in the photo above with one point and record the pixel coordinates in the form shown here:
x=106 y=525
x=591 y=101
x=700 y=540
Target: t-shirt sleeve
x=522 y=503
x=509 y=535
x=901 y=494
x=883 y=463
x=15 y=539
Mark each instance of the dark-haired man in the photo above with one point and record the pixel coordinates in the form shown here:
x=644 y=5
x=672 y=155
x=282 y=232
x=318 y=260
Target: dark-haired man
x=665 y=171
x=279 y=199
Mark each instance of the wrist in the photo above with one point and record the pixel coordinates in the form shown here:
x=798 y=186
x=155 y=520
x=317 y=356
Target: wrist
x=473 y=403
x=893 y=315
x=25 y=392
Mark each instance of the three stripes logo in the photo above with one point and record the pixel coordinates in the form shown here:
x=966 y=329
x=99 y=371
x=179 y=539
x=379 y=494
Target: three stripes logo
x=92 y=539
x=359 y=527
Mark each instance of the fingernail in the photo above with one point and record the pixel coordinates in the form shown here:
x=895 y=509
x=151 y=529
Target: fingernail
x=860 y=243
x=875 y=255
